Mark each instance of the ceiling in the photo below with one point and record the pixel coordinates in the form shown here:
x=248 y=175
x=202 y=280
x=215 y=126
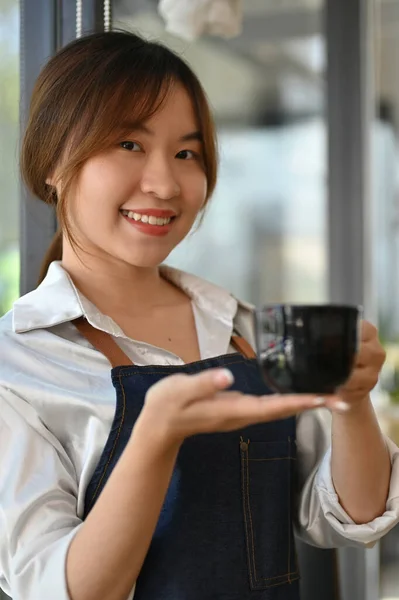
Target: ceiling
x=276 y=66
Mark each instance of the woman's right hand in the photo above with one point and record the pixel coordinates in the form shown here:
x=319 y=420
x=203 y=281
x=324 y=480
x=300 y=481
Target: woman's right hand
x=180 y=406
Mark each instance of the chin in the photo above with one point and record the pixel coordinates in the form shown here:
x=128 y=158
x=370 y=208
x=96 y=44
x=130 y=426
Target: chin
x=147 y=261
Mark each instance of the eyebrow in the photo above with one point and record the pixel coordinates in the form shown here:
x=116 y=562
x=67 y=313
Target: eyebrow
x=139 y=127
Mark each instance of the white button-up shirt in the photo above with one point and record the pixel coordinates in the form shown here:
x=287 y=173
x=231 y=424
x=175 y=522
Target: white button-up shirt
x=57 y=404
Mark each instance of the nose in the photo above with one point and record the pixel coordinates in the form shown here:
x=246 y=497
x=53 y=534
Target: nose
x=158 y=179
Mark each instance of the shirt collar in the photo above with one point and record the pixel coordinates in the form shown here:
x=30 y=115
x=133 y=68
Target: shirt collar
x=57 y=300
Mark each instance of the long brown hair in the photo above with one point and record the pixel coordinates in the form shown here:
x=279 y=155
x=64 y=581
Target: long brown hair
x=80 y=101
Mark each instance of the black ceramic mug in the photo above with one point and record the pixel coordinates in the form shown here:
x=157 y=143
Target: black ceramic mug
x=307 y=349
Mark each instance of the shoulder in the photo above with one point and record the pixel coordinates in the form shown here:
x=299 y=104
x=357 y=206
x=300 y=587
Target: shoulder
x=10 y=339
x=13 y=350
x=7 y=335
x=6 y=322
x=244 y=321
x=27 y=332
x=13 y=358
x=26 y=355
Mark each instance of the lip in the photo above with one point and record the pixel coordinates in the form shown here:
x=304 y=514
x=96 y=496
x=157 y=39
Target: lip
x=147 y=228
x=152 y=212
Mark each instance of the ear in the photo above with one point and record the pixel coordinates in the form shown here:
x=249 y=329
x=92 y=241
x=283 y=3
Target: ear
x=51 y=178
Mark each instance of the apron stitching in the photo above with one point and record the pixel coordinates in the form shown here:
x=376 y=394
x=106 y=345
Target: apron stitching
x=250 y=514
x=296 y=565
x=113 y=447
x=289 y=515
x=245 y=517
x=284 y=577
x=136 y=372
x=267 y=459
x=245 y=459
x=282 y=582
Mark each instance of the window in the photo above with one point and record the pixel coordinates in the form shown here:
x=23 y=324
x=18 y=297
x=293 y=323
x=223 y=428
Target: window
x=385 y=218
x=266 y=221
x=9 y=134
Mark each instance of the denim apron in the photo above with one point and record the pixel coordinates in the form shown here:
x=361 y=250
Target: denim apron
x=225 y=528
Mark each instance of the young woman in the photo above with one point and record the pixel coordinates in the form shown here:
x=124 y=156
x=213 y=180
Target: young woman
x=171 y=476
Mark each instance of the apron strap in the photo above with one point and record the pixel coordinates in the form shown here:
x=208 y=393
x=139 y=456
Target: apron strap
x=104 y=343
x=242 y=346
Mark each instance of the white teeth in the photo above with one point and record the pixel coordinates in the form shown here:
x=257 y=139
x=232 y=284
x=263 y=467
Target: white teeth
x=146 y=218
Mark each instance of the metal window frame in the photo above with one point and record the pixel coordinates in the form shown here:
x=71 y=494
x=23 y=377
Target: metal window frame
x=45 y=26
x=38 y=42
x=350 y=114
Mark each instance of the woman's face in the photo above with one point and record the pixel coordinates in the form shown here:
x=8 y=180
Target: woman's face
x=138 y=200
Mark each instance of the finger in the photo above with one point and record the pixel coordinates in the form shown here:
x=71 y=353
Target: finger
x=370 y=353
x=338 y=405
x=363 y=377
x=368 y=331
x=227 y=408
x=194 y=387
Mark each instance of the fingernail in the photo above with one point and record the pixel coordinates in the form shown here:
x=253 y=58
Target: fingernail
x=340 y=406
x=224 y=377
x=319 y=401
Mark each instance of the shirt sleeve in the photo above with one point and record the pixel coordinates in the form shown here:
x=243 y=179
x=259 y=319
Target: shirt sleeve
x=38 y=502
x=321 y=520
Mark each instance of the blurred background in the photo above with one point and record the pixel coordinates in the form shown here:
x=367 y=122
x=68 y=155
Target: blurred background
x=306 y=101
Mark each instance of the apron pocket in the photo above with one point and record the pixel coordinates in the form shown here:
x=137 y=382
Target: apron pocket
x=266 y=483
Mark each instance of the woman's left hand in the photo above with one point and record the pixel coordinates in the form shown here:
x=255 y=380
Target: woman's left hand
x=369 y=361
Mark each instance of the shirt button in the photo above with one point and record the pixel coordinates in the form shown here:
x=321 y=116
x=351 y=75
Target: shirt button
x=244 y=446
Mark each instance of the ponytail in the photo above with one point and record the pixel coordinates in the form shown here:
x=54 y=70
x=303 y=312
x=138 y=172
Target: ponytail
x=54 y=252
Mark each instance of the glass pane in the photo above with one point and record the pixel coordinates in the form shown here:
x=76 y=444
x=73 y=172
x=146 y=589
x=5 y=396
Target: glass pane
x=9 y=131
x=385 y=217
x=266 y=221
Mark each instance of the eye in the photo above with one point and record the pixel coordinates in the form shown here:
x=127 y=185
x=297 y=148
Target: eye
x=130 y=146
x=187 y=155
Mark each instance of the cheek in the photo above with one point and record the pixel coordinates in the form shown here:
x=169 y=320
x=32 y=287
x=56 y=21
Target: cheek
x=102 y=187
x=98 y=178
x=195 y=191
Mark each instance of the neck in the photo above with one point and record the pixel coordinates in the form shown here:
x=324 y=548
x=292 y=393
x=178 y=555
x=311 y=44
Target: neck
x=114 y=286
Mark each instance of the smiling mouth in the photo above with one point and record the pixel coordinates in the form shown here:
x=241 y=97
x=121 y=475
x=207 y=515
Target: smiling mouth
x=147 y=219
